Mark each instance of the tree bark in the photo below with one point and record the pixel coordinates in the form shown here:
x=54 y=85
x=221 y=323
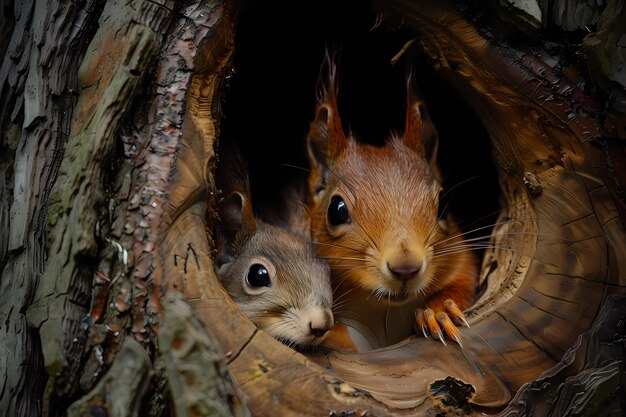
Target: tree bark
x=109 y=304
x=93 y=95
x=36 y=79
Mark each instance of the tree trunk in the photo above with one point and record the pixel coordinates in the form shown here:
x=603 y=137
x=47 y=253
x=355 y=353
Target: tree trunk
x=108 y=300
x=93 y=99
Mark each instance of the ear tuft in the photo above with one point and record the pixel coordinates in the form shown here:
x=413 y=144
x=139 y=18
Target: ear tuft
x=420 y=133
x=299 y=221
x=236 y=220
x=326 y=139
x=317 y=140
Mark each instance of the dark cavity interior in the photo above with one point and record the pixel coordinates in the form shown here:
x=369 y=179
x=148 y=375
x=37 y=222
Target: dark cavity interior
x=270 y=99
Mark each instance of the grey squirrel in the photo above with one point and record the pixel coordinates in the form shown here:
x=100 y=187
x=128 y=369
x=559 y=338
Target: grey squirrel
x=270 y=271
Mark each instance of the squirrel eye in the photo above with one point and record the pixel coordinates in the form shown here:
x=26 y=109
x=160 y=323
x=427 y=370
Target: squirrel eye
x=258 y=276
x=338 y=211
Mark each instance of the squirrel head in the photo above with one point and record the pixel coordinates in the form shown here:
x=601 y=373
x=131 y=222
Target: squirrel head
x=374 y=210
x=272 y=273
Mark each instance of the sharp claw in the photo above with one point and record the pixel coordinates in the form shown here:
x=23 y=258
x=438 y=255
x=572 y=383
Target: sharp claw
x=421 y=321
x=455 y=311
x=433 y=326
x=458 y=340
x=440 y=336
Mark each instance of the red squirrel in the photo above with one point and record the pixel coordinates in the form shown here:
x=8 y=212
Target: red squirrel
x=270 y=271
x=394 y=262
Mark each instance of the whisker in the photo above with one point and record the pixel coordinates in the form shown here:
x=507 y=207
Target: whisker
x=346 y=276
x=340 y=282
x=343 y=247
x=496 y=247
x=341 y=312
x=498 y=234
x=340 y=304
x=461 y=234
x=483 y=240
x=344 y=182
x=345 y=273
x=470 y=247
x=449 y=190
x=343 y=302
x=295 y=167
x=355 y=268
x=346 y=265
x=448 y=268
x=341 y=309
x=440 y=216
x=341 y=258
x=369 y=239
x=495 y=212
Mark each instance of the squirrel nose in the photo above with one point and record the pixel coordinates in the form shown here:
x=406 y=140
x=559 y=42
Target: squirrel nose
x=318 y=326
x=317 y=331
x=406 y=270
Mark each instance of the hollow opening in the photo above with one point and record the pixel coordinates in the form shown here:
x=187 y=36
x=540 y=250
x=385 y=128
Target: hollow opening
x=271 y=95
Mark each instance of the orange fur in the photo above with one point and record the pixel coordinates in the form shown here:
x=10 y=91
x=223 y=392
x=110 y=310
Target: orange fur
x=391 y=194
x=338 y=338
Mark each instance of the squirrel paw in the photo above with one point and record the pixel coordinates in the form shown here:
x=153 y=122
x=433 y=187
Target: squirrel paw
x=429 y=322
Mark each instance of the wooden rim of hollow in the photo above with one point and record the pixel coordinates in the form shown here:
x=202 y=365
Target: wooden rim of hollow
x=557 y=248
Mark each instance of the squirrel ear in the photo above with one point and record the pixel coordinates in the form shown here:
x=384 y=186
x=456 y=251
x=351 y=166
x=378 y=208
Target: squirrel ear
x=235 y=221
x=299 y=221
x=326 y=137
x=420 y=133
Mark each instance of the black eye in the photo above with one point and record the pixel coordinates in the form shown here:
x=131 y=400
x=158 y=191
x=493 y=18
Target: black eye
x=258 y=276
x=338 y=211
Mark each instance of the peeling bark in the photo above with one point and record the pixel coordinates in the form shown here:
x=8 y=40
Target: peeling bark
x=36 y=80
x=196 y=370
x=95 y=156
x=109 y=396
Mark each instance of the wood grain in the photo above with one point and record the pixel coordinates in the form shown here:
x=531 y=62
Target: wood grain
x=554 y=254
